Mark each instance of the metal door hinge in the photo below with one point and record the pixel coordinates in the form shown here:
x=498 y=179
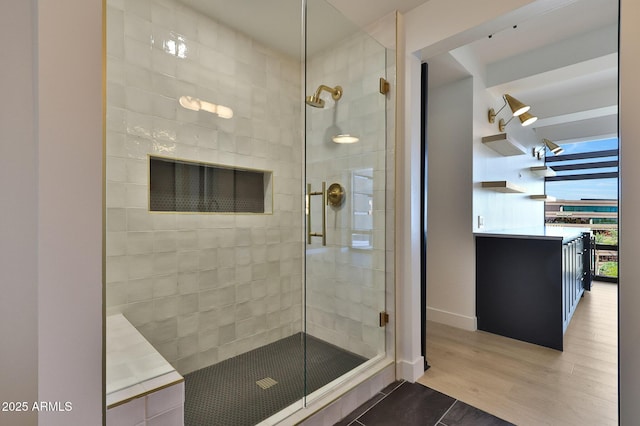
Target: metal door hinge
x=384 y=86
x=384 y=319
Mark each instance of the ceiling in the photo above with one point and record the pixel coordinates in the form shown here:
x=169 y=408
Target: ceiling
x=559 y=56
x=562 y=61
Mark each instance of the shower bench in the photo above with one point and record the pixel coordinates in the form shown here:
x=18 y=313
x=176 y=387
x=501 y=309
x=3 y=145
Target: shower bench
x=141 y=386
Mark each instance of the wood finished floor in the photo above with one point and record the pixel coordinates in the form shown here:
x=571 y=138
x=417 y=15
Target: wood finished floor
x=528 y=384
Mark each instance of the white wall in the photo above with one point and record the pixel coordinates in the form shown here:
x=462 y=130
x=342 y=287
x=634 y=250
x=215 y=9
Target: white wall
x=409 y=359
x=500 y=210
x=19 y=212
x=70 y=140
x=629 y=268
x=51 y=132
x=450 y=244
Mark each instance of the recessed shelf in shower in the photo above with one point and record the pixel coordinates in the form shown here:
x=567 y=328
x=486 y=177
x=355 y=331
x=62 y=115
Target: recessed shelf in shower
x=186 y=186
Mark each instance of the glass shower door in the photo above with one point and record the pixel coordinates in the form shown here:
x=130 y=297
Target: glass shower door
x=345 y=181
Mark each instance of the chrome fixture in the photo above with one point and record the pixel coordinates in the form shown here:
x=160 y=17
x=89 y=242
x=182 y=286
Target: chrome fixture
x=315 y=100
x=517 y=108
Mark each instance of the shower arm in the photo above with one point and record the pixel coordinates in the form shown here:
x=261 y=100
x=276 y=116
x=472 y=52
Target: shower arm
x=336 y=92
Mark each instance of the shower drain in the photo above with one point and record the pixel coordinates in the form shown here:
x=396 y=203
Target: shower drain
x=266 y=383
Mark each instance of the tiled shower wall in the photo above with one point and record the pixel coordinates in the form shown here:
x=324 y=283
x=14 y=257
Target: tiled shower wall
x=346 y=284
x=200 y=287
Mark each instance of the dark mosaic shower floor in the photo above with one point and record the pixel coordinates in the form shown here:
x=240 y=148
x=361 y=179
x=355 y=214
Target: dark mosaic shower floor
x=227 y=393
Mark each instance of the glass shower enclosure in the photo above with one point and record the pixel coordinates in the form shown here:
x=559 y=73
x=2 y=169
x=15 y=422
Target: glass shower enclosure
x=248 y=235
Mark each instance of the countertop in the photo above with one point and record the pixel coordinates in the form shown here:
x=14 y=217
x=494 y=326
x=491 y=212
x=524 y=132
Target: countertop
x=541 y=232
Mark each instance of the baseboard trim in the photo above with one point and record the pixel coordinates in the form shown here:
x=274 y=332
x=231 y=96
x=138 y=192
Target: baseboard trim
x=410 y=370
x=452 y=319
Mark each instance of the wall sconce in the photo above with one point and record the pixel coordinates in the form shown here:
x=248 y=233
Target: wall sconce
x=195 y=104
x=525 y=120
x=539 y=152
x=517 y=108
x=553 y=147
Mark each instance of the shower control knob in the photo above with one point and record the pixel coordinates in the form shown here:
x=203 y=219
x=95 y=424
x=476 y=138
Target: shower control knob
x=335 y=195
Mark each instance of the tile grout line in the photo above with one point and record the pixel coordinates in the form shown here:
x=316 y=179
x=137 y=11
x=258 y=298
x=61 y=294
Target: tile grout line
x=378 y=402
x=400 y=384
x=445 y=413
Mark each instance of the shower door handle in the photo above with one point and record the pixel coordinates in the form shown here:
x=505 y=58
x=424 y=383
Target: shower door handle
x=324 y=214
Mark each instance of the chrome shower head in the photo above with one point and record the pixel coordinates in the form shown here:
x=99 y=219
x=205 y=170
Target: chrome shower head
x=315 y=101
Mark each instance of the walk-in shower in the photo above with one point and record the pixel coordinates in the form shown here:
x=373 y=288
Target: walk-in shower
x=214 y=151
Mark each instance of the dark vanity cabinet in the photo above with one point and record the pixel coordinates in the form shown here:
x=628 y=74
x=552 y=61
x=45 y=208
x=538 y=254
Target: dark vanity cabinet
x=528 y=285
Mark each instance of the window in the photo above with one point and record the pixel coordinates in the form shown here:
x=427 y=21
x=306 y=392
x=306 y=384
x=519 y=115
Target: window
x=586 y=188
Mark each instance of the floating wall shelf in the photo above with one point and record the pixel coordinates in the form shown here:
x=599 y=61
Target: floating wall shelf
x=542 y=171
x=542 y=197
x=502 y=186
x=503 y=145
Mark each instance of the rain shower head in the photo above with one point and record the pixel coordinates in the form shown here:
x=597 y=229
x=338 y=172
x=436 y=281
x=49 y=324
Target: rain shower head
x=315 y=100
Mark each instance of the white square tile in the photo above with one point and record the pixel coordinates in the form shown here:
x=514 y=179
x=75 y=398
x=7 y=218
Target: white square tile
x=116 y=194
x=136 y=76
x=115 y=31
x=166 y=263
x=138 y=219
x=138 y=100
x=165 y=285
x=166 y=309
x=140 y=266
x=129 y=414
x=137 y=53
x=116 y=244
x=162 y=15
x=165 y=241
x=117 y=269
x=208 y=238
x=163 y=221
x=116 y=219
x=165 y=400
x=141 y=8
x=188 y=324
x=139 y=290
x=136 y=27
x=186 y=23
x=140 y=242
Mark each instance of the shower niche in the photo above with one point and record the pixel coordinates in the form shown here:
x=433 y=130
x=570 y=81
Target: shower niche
x=184 y=186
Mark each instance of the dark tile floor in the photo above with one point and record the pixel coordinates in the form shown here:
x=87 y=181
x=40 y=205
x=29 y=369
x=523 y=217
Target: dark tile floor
x=412 y=404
